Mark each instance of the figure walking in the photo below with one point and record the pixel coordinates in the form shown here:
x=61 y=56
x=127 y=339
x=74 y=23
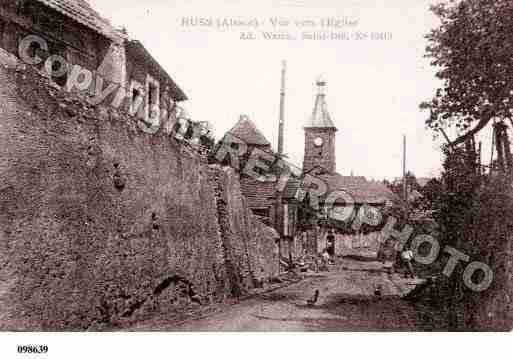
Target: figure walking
x=407 y=257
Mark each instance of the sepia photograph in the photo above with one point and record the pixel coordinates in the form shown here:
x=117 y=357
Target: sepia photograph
x=234 y=167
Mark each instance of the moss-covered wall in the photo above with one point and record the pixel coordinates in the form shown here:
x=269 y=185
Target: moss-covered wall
x=101 y=224
x=94 y=214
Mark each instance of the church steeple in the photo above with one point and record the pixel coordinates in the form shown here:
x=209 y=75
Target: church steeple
x=320 y=133
x=321 y=117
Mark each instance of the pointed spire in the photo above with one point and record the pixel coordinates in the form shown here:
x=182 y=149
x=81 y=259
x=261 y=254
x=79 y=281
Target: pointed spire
x=321 y=85
x=320 y=116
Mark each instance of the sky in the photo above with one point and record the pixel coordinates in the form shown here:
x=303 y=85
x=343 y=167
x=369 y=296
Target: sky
x=374 y=87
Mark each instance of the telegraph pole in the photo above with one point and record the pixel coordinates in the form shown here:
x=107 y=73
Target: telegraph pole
x=282 y=108
x=280 y=213
x=405 y=185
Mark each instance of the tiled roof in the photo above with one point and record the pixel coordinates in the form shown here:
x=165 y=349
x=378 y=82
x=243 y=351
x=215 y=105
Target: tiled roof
x=359 y=188
x=246 y=130
x=258 y=194
x=423 y=181
x=82 y=12
x=292 y=188
x=136 y=50
x=261 y=194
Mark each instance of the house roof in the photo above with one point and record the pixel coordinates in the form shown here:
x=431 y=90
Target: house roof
x=414 y=195
x=292 y=188
x=321 y=117
x=258 y=194
x=82 y=12
x=246 y=131
x=423 y=181
x=262 y=195
x=361 y=190
x=138 y=52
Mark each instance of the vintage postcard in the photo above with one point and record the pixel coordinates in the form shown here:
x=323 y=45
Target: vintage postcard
x=244 y=166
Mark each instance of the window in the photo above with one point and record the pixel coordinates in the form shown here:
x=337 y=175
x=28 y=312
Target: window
x=59 y=67
x=135 y=94
x=2 y=30
x=152 y=99
x=152 y=95
x=136 y=98
x=263 y=214
x=59 y=59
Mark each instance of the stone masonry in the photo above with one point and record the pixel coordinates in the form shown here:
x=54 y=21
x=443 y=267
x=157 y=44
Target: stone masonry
x=102 y=224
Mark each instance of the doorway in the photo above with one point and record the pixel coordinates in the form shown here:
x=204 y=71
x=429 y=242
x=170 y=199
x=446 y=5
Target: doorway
x=331 y=245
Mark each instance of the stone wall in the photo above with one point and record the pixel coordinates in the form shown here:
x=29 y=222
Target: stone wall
x=360 y=245
x=101 y=224
x=250 y=246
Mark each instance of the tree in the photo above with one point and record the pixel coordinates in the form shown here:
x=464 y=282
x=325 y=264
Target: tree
x=397 y=185
x=472 y=48
x=431 y=193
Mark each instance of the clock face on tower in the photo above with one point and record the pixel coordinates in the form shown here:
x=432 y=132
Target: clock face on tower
x=319 y=149
x=318 y=142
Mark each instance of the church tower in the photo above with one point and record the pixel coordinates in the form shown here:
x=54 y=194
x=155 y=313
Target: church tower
x=320 y=134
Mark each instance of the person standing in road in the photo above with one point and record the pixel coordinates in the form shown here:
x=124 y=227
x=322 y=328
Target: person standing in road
x=407 y=257
x=325 y=259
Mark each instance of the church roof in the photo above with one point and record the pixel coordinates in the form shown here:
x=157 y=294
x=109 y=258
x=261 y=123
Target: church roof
x=246 y=131
x=321 y=117
x=361 y=190
x=82 y=12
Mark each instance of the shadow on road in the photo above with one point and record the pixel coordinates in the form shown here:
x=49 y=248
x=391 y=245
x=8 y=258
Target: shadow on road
x=386 y=313
x=360 y=258
x=279 y=297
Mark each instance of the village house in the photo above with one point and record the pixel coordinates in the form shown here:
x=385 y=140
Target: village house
x=302 y=228
x=320 y=162
x=79 y=35
x=277 y=209
x=135 y=217
x=258 y=191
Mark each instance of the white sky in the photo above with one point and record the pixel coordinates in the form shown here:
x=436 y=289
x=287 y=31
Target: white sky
x=374 y=87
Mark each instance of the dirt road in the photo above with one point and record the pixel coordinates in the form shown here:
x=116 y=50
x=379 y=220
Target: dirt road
x=347 y=302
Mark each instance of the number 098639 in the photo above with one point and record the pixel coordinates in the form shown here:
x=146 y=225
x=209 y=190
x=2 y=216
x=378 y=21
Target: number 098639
x=32 y=349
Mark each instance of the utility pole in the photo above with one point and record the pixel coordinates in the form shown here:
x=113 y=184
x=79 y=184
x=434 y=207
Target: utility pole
x=493 y=149
x=405 y=185
x=280 y=210
x=282 y=108
x=480 y=158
